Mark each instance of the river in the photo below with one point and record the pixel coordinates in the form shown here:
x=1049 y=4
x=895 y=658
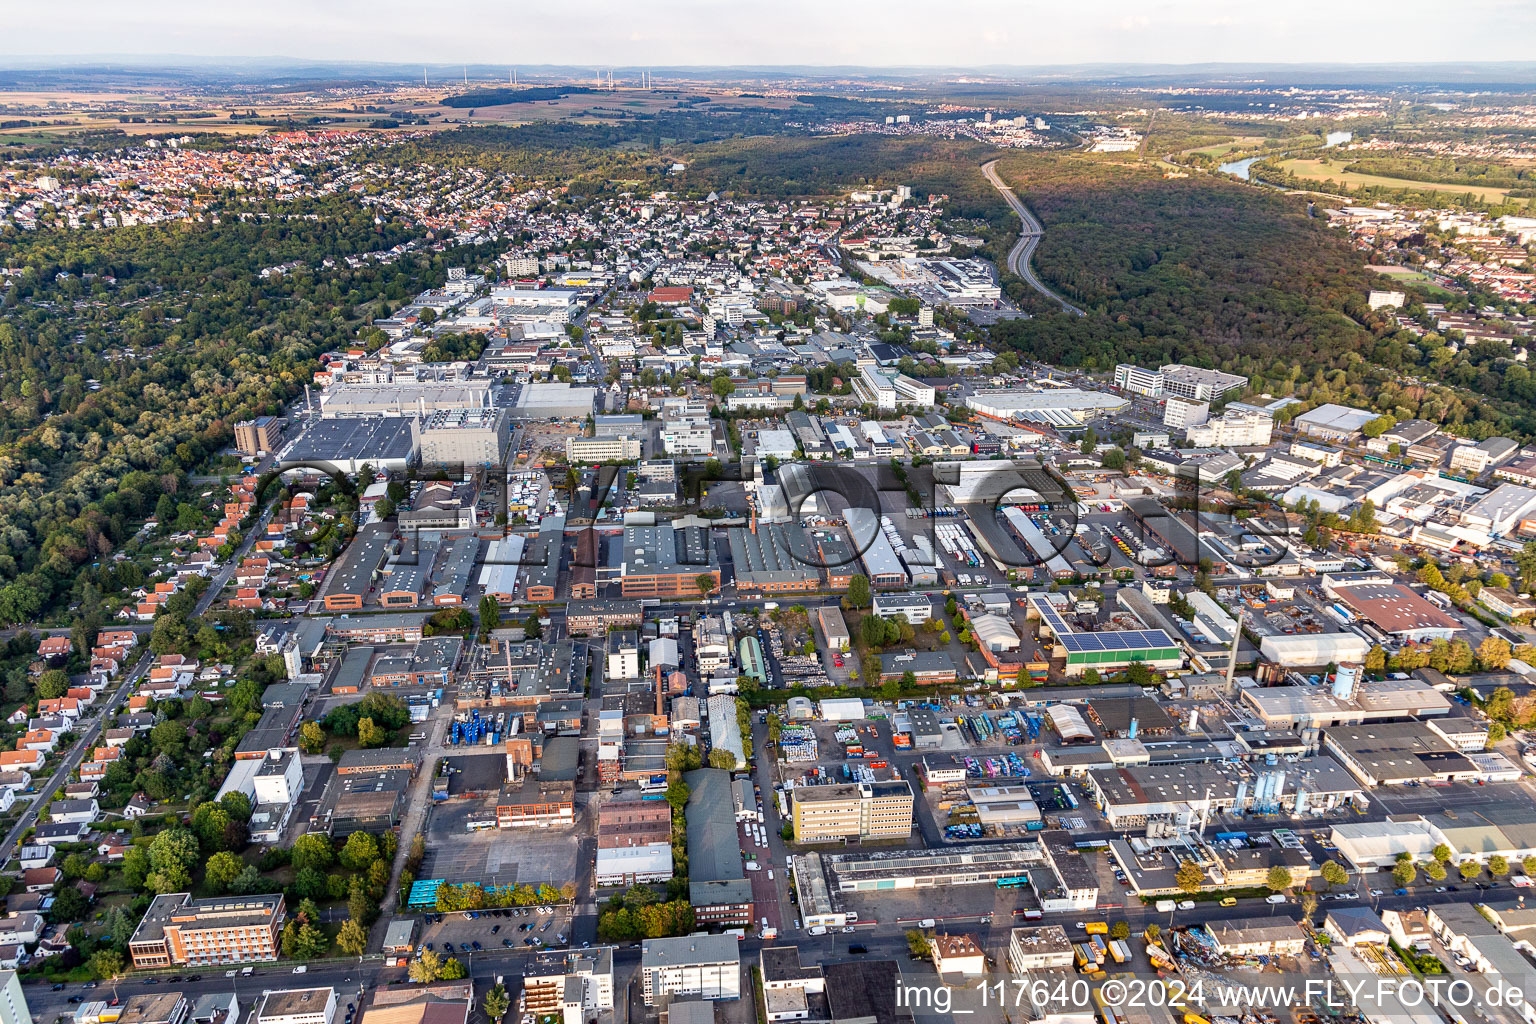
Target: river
x=1239 y=168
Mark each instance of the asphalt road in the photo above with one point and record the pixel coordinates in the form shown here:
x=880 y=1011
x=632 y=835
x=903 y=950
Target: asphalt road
x=1029 y=239
x=87 y=740
x=76 y=753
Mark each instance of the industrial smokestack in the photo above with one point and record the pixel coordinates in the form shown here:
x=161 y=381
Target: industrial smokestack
x=1237 y=638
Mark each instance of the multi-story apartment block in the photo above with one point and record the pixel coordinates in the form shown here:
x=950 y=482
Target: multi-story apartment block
x=13 y=1001
x=871 y=810
x=229 y=930
x=573 y=984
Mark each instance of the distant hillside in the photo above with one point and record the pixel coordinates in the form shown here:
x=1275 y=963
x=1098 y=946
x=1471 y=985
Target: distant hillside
x=497 y=97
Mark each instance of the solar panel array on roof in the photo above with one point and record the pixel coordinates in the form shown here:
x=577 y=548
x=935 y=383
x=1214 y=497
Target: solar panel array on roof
x=1117 y=640
x=1052 y=617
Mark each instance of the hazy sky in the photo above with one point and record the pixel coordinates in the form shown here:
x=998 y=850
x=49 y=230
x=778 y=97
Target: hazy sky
x=865 y=32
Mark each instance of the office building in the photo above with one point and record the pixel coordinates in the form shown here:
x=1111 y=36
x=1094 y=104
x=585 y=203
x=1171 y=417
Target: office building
x=915 y=608
x=1183 y=413
x=595 y=450
x=706 y=966
x=873 y=810
x=687 y=435
x=258 y=436
x=1177 y=380
x=886 y=388
x=1244 y=427
x=1476 y=459
x=574 y=984
x=229 y=930
x=1039 y=948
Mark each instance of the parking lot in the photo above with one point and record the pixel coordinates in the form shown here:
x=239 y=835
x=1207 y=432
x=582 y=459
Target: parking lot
x=530 y=856
x=527 y=927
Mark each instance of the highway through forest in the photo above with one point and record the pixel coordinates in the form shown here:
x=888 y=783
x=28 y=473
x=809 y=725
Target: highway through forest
x=1029 y=237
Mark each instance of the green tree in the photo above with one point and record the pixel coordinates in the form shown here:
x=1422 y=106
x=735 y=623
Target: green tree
x=370 y=735
x=211 y=823
x=360 y=851
x=496 y=1003
x=918 y=943
x=706 y=584
x=1470 y=869
x=171 y=857
x=1498 y=865
x=1278 y=879
x=1441 y=853
x=425 y=969
x=490 y=615
x=52 y=684
x=106 y=964
x=312 y=850
x=352 y=940
x=452 y=970
x=223 y=868
x=1434 y=871
x=69 y=904
x=858 y=591
x=1189 y=877
x=1334 y=873
x=1120 y=930
x=311 y=738
x=1404 y=873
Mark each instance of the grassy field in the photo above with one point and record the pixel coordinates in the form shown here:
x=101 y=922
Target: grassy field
x=1222 y=149
x=1407 y=275
x=1315 y=170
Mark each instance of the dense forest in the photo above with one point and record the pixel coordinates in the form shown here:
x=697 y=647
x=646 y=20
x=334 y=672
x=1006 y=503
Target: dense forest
x=1446 y=170
x=826 y=165
x=508 y=94
x=126 y=357
x=1221 y=274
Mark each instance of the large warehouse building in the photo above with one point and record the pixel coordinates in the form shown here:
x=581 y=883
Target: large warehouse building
x=554 y=401
x=1306 y=650
x=404 y=398
x=1065 y=407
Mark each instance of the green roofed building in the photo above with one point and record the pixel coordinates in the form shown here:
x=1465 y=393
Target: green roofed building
x=751 y=654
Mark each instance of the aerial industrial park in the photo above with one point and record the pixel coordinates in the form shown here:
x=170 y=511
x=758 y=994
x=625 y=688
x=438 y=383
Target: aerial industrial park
x=765 y=547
